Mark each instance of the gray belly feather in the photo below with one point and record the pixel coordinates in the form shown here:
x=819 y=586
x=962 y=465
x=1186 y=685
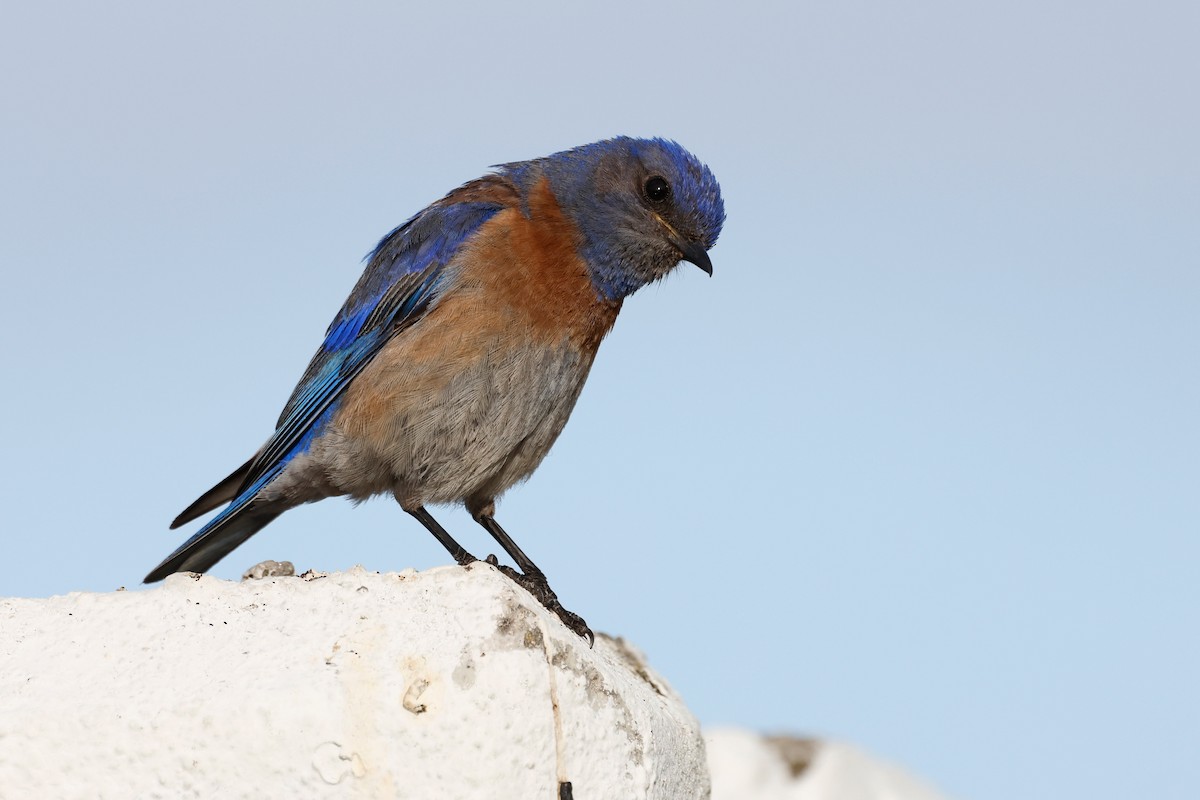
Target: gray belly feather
x=464 y=438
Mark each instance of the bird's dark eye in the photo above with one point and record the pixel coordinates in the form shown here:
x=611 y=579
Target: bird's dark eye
x=657 y=189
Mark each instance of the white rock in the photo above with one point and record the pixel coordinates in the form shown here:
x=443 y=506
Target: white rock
x=451 y=683
x=269 y=569
x=747 y=766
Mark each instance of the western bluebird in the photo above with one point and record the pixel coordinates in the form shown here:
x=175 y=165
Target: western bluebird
x=455 y=362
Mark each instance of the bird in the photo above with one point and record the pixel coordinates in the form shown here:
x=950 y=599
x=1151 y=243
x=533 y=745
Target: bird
x=455 y=362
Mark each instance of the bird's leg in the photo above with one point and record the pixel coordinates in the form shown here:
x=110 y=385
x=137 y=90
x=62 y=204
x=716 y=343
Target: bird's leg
x=460 y=554
x=530 y=569
x=533 y=579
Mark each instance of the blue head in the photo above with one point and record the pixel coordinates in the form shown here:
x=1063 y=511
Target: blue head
x=642 y=206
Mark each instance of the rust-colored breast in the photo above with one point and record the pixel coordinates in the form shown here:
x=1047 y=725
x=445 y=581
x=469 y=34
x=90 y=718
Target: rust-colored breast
x=529 y=267
x=520 y=283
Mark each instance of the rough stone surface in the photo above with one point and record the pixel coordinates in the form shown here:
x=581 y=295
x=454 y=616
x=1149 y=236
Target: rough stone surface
x=747 y=766
x=269 y=569
x=450 y=683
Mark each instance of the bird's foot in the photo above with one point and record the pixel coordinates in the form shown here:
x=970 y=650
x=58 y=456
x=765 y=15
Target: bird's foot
x=537 y=585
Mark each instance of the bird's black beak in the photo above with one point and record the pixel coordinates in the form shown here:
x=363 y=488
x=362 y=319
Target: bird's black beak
x=695 y=253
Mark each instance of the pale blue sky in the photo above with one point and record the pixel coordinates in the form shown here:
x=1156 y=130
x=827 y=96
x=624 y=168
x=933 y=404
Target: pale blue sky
x=916 y=468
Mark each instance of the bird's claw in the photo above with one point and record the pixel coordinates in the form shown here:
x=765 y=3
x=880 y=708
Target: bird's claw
x=539 y=587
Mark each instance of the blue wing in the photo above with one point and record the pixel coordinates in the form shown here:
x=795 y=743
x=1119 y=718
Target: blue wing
x=405 y=275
